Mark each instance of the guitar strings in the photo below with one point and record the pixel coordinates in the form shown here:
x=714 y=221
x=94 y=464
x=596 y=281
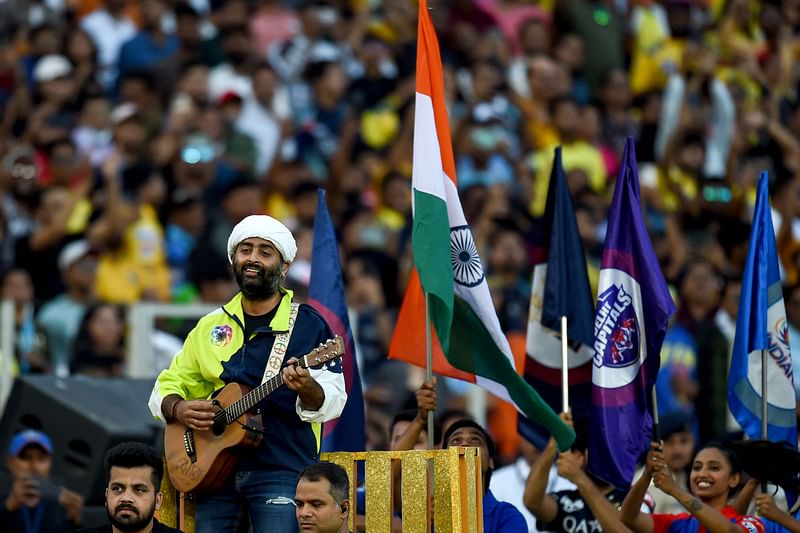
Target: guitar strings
x=226 y=417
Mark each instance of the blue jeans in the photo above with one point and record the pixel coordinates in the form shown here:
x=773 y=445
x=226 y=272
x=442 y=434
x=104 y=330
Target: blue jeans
x=267 y=494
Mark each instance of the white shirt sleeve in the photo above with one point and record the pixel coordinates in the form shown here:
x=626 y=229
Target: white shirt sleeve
x=332 y=384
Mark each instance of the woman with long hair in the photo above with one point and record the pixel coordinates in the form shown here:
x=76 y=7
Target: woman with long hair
x=714 y=478
x=99 y=348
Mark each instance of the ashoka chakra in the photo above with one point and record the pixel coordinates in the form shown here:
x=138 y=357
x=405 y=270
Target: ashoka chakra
x=467 y=267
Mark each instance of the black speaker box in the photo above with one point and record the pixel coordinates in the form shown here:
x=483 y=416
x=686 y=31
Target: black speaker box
x=84 y=417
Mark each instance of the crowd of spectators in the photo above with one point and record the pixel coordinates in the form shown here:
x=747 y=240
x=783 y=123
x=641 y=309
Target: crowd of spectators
x=135 y=135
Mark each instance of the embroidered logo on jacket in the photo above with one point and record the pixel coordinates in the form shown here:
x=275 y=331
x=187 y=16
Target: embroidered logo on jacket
x=221 y=335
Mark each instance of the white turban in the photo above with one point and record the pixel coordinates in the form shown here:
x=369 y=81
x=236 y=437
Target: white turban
x=267 y=228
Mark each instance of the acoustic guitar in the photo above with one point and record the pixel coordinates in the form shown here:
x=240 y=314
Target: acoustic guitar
x=199 y=461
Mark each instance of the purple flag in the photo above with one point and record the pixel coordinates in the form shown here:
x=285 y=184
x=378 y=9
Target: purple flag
x=633 y=309
x=326 y=295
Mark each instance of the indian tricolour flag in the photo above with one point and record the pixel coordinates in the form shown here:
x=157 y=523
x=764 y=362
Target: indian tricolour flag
x=468 y=342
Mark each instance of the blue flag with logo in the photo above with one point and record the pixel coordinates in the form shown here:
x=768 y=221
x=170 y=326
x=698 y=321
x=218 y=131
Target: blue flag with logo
x=560 y=287
x=326 y=295
x=761 y=325
x=633 y=310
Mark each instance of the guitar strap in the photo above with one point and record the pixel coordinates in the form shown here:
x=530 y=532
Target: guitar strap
x=279 y=346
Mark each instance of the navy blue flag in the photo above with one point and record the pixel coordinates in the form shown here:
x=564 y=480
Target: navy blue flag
x=560 y=287
x=761 y=325
x=326 y=295
x=633 y=310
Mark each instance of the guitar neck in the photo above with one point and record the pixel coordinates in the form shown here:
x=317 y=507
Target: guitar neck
x=329 y=350
x=249 y=400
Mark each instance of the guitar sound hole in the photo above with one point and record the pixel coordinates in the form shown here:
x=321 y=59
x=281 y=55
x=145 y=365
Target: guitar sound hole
x=218 y=428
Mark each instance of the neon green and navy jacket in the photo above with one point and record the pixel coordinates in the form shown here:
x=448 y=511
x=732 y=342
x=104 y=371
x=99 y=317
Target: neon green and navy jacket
x=215 y=353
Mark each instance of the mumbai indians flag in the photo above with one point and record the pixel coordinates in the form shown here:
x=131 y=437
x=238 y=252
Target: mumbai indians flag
x=560 y=287
x=633 y=309
x=466 y=332
x=326 y=295
x=761 y=325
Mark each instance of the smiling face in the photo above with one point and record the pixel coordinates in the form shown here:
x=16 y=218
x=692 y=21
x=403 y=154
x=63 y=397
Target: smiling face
x=258 y=268
x=131 y=497
x=712 y=477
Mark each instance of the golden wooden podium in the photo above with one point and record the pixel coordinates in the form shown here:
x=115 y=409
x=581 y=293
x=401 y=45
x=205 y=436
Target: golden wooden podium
x=453 y=474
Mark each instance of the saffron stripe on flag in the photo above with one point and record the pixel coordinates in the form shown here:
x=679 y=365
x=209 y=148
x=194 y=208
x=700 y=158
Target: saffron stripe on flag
x=482 y=346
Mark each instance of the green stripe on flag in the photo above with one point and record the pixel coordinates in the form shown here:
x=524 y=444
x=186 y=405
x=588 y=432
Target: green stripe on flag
x=430 y=241
x=472 y=349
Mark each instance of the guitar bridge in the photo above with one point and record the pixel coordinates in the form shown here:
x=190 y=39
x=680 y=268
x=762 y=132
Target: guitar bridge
x=188 y=445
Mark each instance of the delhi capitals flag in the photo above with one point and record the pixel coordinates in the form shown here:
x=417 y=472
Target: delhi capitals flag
x=633 y=310
x=326 y=295
x=560 y=287
x=466 y=332
x=761 y=325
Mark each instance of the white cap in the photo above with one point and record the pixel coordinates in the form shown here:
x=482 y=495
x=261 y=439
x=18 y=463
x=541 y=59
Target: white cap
x=267 y=228
x=72 y=253
x=51 y=67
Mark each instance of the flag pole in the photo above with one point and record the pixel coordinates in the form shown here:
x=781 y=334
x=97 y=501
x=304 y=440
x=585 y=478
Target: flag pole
x=764 y=394
x=764 y=406
x=564 y=367
x=428 y=365
x=656 y=423
x=654 y=401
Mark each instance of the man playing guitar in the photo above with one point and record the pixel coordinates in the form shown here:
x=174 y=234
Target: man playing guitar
x=247 y=341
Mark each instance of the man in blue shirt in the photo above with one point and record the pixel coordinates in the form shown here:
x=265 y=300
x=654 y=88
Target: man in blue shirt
x=35 y=502
x=497 y=516
x=151 y=50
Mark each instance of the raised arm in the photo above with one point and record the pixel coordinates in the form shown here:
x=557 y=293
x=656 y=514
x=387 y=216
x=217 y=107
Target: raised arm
x=426 y=402
x=630 y=514
x=541 y=505
x=745 y=496
x=765 y=506
x=710 y=518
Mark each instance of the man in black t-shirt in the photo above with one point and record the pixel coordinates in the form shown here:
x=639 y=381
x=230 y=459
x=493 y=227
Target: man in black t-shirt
x=575 y=513
x=133 y=473
x=592 y=508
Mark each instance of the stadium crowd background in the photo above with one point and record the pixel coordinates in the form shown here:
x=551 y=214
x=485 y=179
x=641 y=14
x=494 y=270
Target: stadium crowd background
x=135 y=135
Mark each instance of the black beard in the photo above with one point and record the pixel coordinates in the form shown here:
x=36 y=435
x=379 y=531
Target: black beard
x=137 y=525
x=260 y=288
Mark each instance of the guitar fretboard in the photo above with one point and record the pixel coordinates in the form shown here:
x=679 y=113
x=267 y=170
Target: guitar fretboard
x=249 y=400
